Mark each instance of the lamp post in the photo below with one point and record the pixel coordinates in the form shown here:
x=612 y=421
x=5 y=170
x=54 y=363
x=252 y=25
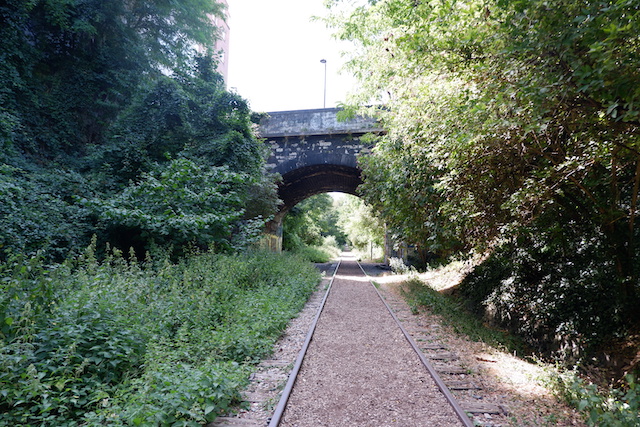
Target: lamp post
x=324 y=104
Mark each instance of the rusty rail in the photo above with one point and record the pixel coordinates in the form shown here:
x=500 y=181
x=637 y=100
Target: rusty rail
x=462 y=415
x=286 y=392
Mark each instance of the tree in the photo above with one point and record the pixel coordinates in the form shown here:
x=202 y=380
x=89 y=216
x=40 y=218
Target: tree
x=359 y=223
x=190 y=115
x=310 y=221
x=505 y=118
x=514 y=107
x=68 y=67
x=187 y=167
x=113 y=95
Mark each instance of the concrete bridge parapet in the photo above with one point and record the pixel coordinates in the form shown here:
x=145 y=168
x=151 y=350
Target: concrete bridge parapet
x=314 y=122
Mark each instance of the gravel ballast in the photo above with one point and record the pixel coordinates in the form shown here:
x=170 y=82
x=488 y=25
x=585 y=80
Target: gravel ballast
x=360 y=370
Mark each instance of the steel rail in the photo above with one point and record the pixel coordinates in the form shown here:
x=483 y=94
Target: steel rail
x=462 y=415
x=293 y=375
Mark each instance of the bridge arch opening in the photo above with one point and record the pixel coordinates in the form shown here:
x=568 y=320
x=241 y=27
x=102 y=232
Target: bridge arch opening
x=307 y=181
x=322 y=225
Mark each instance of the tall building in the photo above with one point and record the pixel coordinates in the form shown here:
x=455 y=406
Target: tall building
x=222 y=44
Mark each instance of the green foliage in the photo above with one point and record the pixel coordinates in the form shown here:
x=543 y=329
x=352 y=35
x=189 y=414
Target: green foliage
x=194 y=167
x=516 y=122
x=72 y=364
x=412 y=204
x=619 y=407
x=180 y=204
x=179 y=394
x=418 y=294
x=360 y=225
x=324 y=253
x=309 y=222
x=28 y=296
x=486 y=125
x=313 y=229
x=38 y=213
x=128 y=344
x=553 y=289
x=68 y=67
x=190 y=116
x=99 y=101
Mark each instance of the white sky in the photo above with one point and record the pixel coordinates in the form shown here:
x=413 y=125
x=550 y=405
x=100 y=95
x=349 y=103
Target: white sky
x=275 y=52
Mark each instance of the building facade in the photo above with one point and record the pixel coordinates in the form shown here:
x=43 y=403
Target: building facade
x=221 y=48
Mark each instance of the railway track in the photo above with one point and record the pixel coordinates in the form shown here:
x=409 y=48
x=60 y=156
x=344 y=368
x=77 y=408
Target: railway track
x=313 y=370
x=351 y=274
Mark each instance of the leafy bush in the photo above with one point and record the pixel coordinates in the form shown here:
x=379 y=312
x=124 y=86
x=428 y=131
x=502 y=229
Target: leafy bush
x=398 y=266
x=177 y=393
x=181 y=203
x=619 y=407
x=164 y=160
x=123 y=343
x=555 y=288
x=37 y=212
x=73 y=363
x=322 y=253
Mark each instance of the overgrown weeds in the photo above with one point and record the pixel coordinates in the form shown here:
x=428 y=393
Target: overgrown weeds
x=619 y=407
x=121 y=343
x=418 y=294
x=322 y=253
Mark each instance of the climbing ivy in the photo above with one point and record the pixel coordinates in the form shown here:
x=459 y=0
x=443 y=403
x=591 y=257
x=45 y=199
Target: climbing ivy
x=100 y=100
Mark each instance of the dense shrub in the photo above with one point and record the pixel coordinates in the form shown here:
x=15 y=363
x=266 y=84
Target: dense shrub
x=38 y=212
x=555 y=288
x=324 y=252
x=180 y=204
x=121 y=343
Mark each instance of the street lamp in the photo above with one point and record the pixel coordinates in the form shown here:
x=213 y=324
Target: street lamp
x=324 y=104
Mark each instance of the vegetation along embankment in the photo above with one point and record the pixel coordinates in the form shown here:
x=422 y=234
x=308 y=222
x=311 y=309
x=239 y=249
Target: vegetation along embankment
x=116 y=342
x=513 y=130
x=114 y=128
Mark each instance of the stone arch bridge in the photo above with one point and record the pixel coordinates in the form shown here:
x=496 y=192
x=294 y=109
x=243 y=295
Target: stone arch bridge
x=315 y=153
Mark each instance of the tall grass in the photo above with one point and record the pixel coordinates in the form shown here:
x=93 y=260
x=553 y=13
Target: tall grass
x=122 y=343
